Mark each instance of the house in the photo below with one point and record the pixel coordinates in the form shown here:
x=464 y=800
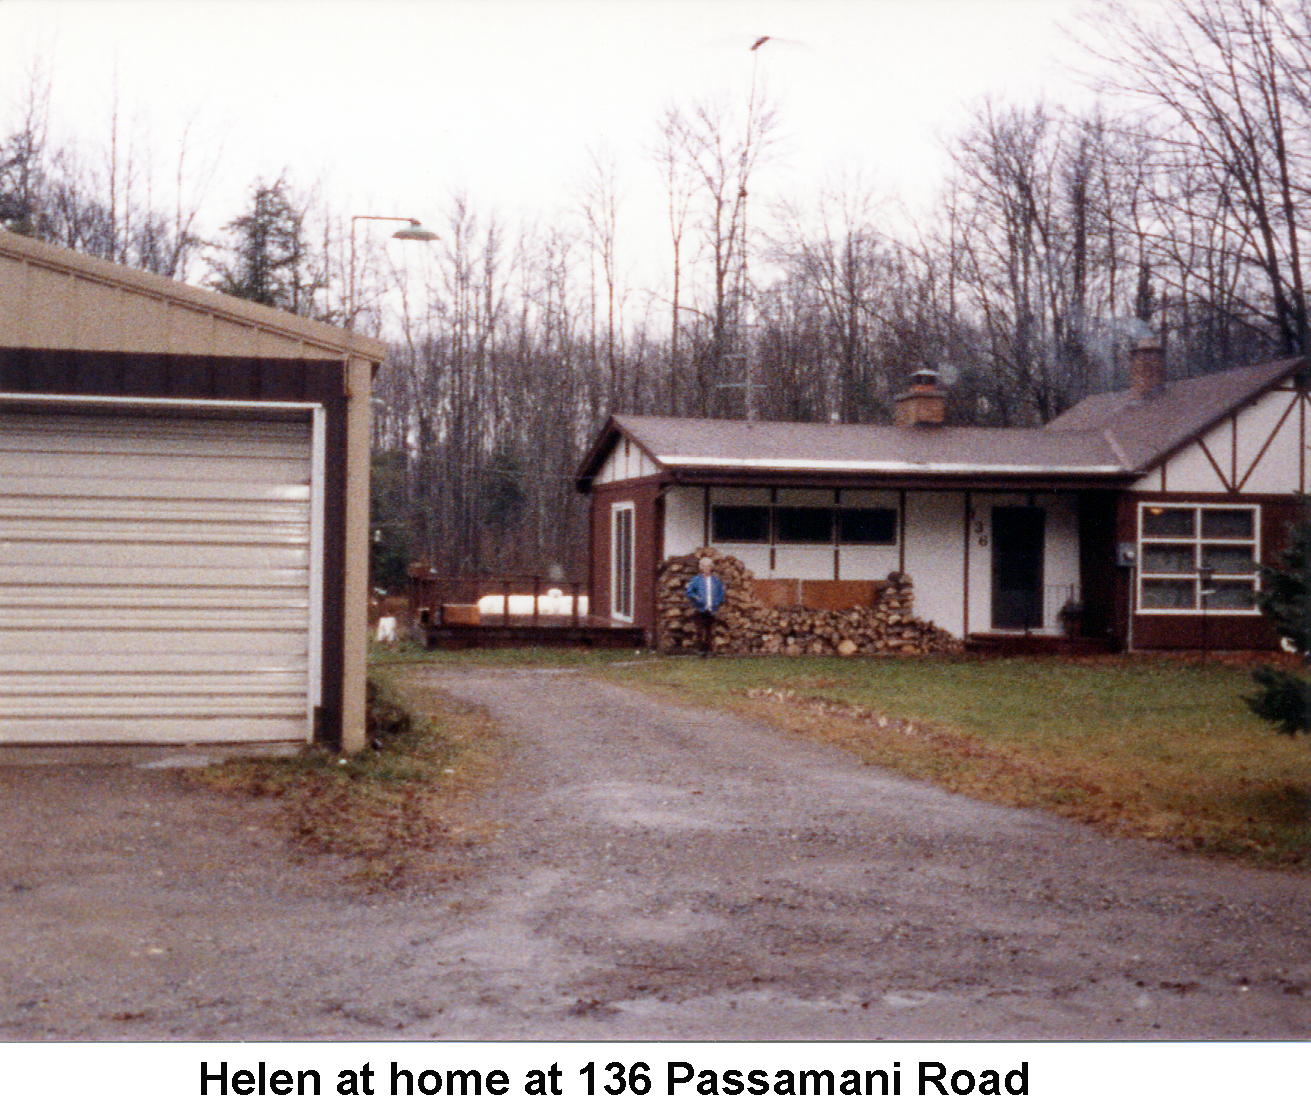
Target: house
x=184 y=510
x=1142 y=513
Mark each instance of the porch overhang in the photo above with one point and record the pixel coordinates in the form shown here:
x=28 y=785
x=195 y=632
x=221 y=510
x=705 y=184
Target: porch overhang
x=900 y=476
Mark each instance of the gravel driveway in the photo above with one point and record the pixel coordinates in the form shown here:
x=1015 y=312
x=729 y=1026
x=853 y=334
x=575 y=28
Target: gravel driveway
x=659 y=872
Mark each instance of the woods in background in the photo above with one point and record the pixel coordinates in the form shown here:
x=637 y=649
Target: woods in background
x=1059 y=237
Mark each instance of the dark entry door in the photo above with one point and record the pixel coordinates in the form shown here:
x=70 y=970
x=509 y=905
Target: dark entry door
x=1017 y=543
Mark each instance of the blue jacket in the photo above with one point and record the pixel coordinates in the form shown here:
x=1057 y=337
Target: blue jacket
x=696 y=591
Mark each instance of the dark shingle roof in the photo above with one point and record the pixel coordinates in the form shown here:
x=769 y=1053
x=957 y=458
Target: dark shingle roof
x=786 y=446
x=1105 y=437
x=1145 y=430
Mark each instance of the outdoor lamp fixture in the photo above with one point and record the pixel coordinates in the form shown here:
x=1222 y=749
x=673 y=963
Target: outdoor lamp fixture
x=413 y=231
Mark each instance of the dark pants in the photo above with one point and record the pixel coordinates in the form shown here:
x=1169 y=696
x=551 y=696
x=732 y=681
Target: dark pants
x=705 y=624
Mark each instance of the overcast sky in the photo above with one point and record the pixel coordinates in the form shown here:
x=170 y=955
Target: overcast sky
x=390 y=105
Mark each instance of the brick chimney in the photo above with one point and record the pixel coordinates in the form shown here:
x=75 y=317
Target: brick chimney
x=925 y=403
x=1147 y=367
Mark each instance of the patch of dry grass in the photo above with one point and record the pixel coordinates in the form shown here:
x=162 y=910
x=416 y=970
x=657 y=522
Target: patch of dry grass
x=386 y=809
x=1158 y=747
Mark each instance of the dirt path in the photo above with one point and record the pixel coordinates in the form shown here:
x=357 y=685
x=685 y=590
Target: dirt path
x=660 y=872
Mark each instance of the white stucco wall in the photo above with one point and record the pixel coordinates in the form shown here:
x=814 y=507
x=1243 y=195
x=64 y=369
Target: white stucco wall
x=935 y=559
x=684 y=520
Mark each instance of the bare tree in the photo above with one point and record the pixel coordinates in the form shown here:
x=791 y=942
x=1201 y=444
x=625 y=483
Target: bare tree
x=680 y=187
x=720 y=154
x=1226 y=87
x=24 y=166
x=599 y=205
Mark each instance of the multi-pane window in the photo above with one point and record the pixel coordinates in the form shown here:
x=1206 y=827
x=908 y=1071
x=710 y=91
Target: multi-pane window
x=803 y=525
x=1195 y=557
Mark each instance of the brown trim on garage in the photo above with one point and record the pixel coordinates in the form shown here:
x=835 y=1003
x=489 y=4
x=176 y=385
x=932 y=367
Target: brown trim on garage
x=92 y=374
x=117 y=374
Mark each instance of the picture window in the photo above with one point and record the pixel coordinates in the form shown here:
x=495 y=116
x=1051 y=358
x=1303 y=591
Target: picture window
x=1182 y=568
x=846 y=525
x=803 y=525
x=867 y=526
x=739 y=524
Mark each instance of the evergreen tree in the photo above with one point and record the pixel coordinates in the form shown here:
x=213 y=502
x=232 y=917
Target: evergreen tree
x=1284 y=698
x=269 y=260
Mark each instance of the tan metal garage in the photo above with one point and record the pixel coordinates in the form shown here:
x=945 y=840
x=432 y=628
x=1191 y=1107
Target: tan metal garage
x=183 y=512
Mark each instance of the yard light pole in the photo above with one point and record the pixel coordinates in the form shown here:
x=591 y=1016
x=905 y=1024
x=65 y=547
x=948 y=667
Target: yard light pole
x=413 y=231
x=1204 y=575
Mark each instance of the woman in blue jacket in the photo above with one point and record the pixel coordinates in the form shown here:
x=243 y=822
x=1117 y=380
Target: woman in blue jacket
x=706 y=591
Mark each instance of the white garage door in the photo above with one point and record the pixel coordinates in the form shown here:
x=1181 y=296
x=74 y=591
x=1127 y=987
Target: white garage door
x=154 y=578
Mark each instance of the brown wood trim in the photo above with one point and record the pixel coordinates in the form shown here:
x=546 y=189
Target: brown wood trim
x=591 y=552
x=837 y=547
x=965 y=623
x=760 y=479
x=705 y=517
x=334 y=568
x=1265 y=447
x=627 y=486
x=126 y=374
x=658 y=540
x=1218 y=472
x=901 y=536
x=1233 y=450
x=773 y=501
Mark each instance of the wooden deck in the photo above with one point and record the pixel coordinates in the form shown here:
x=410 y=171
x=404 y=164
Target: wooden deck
x=520 y=632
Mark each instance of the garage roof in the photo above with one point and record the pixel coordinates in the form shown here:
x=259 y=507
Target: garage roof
x=54 y=298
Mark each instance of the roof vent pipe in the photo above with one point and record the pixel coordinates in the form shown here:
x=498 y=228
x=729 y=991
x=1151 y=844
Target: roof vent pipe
x=1147 y=367
x=925 y=403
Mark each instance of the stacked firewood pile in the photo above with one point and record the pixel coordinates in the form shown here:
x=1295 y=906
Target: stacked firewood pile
x=746 y=625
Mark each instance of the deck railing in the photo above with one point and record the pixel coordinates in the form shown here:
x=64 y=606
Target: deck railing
x=531 y=600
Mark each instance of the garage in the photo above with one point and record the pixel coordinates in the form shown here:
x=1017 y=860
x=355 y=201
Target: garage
x=183 y=512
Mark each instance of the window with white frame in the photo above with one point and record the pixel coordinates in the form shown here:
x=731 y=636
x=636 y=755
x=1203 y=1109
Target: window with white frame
x=621 y=560
x=1198 y=557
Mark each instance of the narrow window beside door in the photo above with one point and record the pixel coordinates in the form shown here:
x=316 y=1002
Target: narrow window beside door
x=621 y=561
